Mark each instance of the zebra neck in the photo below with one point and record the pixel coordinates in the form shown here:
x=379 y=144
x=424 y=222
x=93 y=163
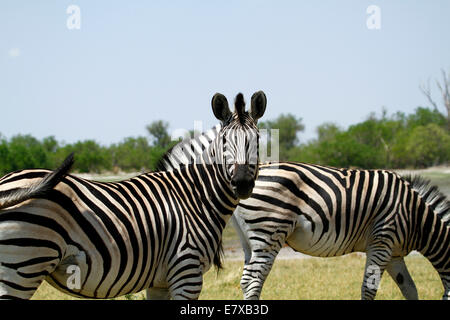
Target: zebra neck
x=214 y=181
x=214 y=190
x=432 y=237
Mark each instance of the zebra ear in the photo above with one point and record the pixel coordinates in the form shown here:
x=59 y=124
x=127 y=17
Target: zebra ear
x=258 y=105
x=220 y=107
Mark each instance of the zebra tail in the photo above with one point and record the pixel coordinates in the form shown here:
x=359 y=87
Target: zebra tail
x=14 y=196
x=218 y=257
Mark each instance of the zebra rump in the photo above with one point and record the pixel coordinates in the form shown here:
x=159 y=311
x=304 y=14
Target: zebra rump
x=9 y=198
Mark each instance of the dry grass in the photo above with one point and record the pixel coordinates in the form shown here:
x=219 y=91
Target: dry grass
x=337 y=278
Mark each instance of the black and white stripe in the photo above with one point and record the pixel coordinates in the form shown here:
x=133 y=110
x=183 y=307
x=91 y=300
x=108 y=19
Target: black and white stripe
x=329 y=212
x=326 y=212
x=158 y=230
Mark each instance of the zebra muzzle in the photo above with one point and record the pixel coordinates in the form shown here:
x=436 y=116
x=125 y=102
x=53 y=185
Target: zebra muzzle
x=242 y=181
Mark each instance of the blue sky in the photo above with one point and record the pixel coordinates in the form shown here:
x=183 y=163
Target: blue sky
x=133 y=62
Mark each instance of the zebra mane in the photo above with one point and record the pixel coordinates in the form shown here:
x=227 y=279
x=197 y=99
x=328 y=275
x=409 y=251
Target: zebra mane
x=239 y=105
x=432 y=196
x=186 y=150
x=161 y=165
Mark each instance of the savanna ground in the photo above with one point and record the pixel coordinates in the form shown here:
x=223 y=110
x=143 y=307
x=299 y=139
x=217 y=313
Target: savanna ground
x=309 y=278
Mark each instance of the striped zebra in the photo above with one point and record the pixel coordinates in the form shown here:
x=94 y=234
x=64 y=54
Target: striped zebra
x=159 y=230
x=326 y=212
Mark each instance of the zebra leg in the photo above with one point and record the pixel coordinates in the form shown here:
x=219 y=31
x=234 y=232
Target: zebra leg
x=157 y=294
x=259 y=256
x=238 y=223
x=25 y=261
x=188 y=290
x=378 y=256
x=398 y=271
x=13 y=286
x=255 y=273
x=445 y=278
x=20 y=280
x=186 y=282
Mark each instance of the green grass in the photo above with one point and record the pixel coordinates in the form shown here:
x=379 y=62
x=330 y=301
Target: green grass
x=307 y=279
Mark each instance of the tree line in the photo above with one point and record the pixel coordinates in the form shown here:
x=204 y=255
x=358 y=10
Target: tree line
x=416 y=140
x=140 y=153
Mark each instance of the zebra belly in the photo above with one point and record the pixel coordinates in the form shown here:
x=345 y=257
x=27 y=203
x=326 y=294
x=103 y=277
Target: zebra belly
x=301 y=241
x=301 y=238
x=304 y=240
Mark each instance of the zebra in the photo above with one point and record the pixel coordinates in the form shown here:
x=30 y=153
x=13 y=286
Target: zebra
x=325 y=212
x=158 y=230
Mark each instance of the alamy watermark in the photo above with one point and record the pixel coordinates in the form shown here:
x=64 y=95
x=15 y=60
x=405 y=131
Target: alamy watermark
x=373 y=21
x=73 y=21
x=195 y=142
x=74 y=280
x=373 y=280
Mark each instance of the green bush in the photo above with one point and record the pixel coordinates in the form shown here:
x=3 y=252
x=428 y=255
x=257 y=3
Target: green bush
x=427 y=145
x=417 y=140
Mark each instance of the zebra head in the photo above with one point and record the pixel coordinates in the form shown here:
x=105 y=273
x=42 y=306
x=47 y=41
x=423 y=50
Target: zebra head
x=237 y=143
